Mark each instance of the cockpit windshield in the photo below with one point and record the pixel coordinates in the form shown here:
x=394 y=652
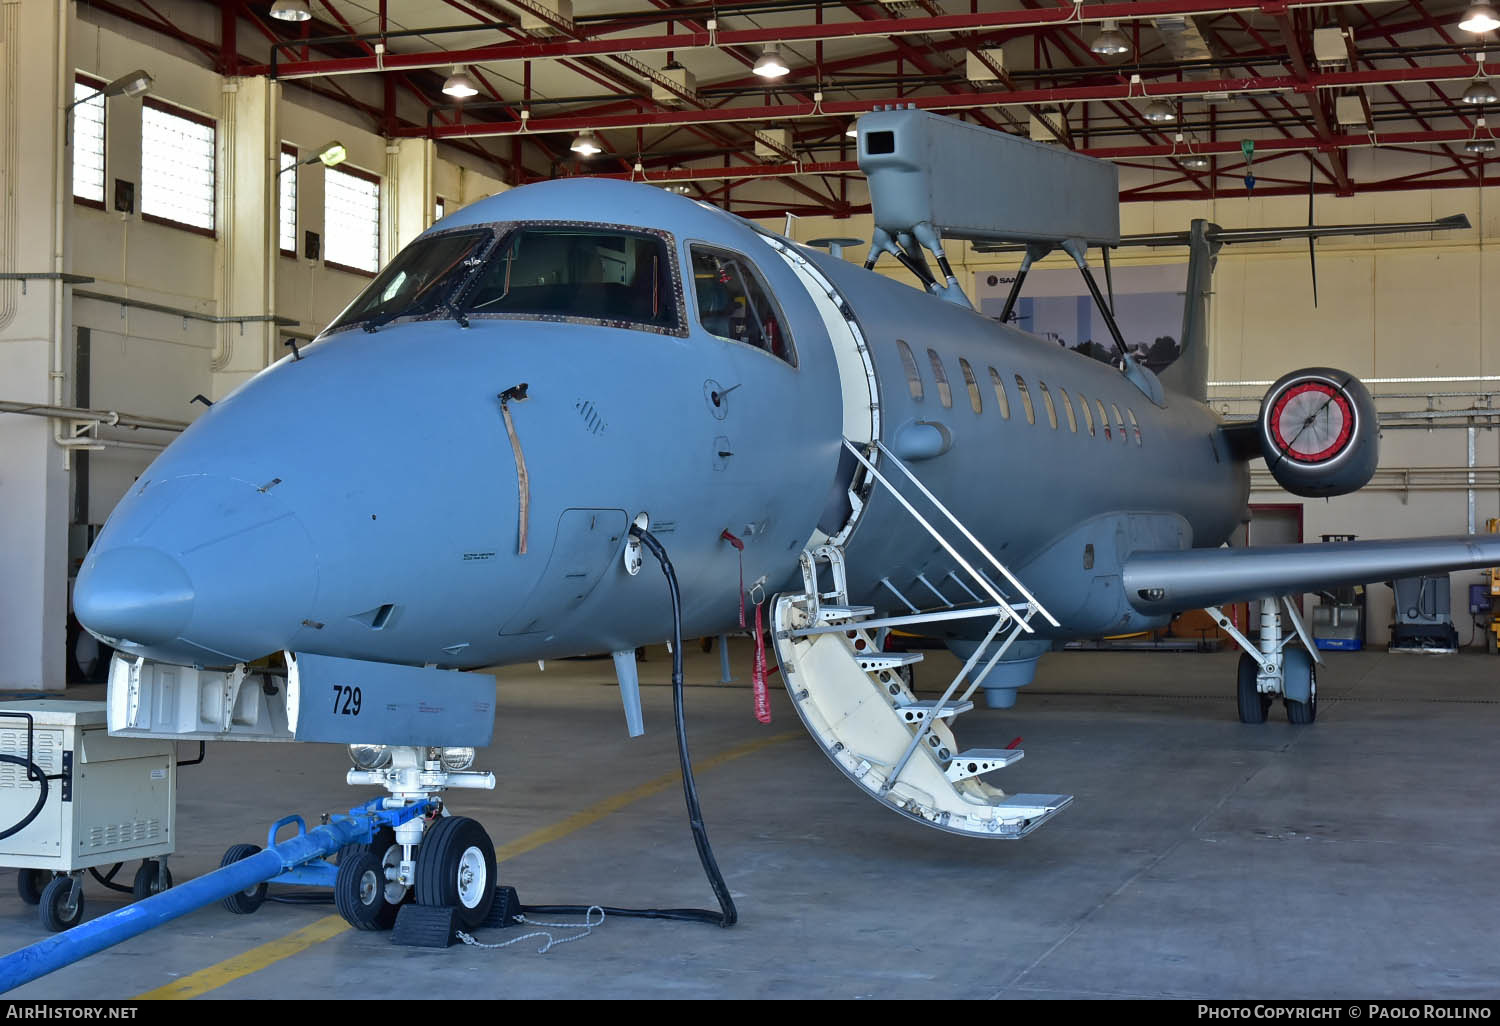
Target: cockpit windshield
x=423 y=277
x=592 y=273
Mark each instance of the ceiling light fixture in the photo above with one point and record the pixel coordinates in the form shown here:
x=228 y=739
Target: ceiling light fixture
x=1480 y=92
x=586 y=145
x=770 y=64
x=1482 y=145
x=1480 y=18
x=852 y=132
x=1195 y=161
x=291 y=10
x=460 y=84
x=1110 y=42
x=1159 y=112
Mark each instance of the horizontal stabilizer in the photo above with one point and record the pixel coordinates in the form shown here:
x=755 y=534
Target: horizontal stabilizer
x=1162 y=582
x=1228 y=236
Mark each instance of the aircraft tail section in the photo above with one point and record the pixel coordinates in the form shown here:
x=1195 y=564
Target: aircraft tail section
x=1188 y=374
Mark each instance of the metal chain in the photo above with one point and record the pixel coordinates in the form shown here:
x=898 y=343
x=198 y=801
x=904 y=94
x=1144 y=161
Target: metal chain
x=552 y=942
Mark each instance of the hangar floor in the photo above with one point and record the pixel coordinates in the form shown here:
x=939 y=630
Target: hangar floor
x=1359 y=857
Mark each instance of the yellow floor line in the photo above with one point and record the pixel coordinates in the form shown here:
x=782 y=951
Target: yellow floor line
x=256 y=959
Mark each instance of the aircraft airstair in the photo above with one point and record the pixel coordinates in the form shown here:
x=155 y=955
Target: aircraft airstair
x=856 y=704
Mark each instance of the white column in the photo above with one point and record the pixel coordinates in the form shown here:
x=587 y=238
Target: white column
x=409 y=191
x=250 y=156
x=35 y=187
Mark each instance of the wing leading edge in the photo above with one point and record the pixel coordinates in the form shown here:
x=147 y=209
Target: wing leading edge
x=1161 y=582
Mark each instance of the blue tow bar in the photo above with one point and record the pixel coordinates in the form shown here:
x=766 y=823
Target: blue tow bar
x=65 y=948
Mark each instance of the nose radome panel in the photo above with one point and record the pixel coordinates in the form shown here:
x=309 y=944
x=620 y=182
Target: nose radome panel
x=134 y=593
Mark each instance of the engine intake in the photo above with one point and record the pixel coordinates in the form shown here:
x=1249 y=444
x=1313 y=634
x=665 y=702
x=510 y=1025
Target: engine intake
x=1318 y=432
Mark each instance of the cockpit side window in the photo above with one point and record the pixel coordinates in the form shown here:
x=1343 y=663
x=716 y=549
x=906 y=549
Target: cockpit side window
x=580 y=272
x=734 y=303
x=423 y=278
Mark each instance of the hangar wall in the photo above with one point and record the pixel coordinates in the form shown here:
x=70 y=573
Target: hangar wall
x=1411 y=306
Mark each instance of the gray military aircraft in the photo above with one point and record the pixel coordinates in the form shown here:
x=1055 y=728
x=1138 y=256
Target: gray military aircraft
x=461 y=470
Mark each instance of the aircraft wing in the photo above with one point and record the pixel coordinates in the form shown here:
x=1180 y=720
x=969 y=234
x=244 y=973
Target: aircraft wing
x=1160 y=582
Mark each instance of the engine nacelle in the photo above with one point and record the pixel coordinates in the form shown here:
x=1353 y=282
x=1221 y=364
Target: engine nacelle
x=1318 y=432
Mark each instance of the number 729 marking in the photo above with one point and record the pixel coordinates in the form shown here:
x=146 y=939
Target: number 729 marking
x=346 y=700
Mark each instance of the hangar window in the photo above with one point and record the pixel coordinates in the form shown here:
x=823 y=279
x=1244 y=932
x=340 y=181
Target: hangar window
x=622 y=278
x=1068 y=409
x=88 y=142
x=177 y=167
x=1047 y=402
x=972 y=385
x=913 y=376
x=1026 y=400
x=1119 y=422
x=734 y=303
x=1103 y=419
x=1135 y=426
x=1000 y=393
x=1088 y=414
x=424 y=277
x=351 y=219
x=286 y=187
x=945 y=393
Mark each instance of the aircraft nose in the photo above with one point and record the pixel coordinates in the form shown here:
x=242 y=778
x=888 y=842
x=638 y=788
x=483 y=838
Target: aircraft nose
x=134 y=593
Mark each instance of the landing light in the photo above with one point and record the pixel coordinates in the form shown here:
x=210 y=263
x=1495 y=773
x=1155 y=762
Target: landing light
x=455 y=759
x=370 y=757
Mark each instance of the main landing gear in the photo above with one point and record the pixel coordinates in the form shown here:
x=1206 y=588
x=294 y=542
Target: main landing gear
x=1275 y=666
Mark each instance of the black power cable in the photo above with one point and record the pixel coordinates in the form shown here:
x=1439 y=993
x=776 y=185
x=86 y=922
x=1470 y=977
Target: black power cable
x=35 y=775
x=727 y=915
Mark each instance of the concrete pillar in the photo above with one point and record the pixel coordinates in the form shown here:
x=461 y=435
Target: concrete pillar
x=35 y=196
x=408 y=208
x=249 y=158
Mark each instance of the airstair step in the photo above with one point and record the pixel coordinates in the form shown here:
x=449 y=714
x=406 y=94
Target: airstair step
x=981 y=760
x=874 y=661
x=917 y=712
x=830 y=613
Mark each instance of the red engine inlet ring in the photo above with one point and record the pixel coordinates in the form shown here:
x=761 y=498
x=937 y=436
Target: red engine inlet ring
x=1294 y=413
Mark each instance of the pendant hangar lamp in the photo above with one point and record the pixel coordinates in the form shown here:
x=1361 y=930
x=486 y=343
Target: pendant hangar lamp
x=291 y=10
x=1482 y=144
x=460 y=84
x=769 y=64
x=1110 y=42
x=1481 y=17
x=1196 y=162
x=1160 y=112
x=586 y=144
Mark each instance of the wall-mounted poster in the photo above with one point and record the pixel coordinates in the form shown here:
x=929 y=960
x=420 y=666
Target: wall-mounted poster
x=1055 y=304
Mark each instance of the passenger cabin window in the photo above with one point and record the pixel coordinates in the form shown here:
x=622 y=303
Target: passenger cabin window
x=734 y=303
x=1119 y=422
x=1047 y=402
x=1135 y=426
x=1103 y=420
x=1068 y=409
x=913 y=376
x=1026 y=400
x=971 y=385
x=1000 y=396
x=622 y=278
x=424 y=277
x=945 y=393
x=1088 y=414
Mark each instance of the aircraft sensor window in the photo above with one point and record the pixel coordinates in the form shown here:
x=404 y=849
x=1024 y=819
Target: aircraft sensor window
x=1088 y=413
x=1000 y=393
x=1047 y=402
x=424 y=277
x=733 y=303
x=586 y=272
x=1119 y=422
x=945 y=393
x=1026 y=400
x=1068 y=409
x=1103 y=420
x=913 y=376
x=972 y=385
x=1135 y=426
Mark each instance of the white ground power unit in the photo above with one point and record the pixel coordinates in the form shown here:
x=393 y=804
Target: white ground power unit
x=109 y=800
